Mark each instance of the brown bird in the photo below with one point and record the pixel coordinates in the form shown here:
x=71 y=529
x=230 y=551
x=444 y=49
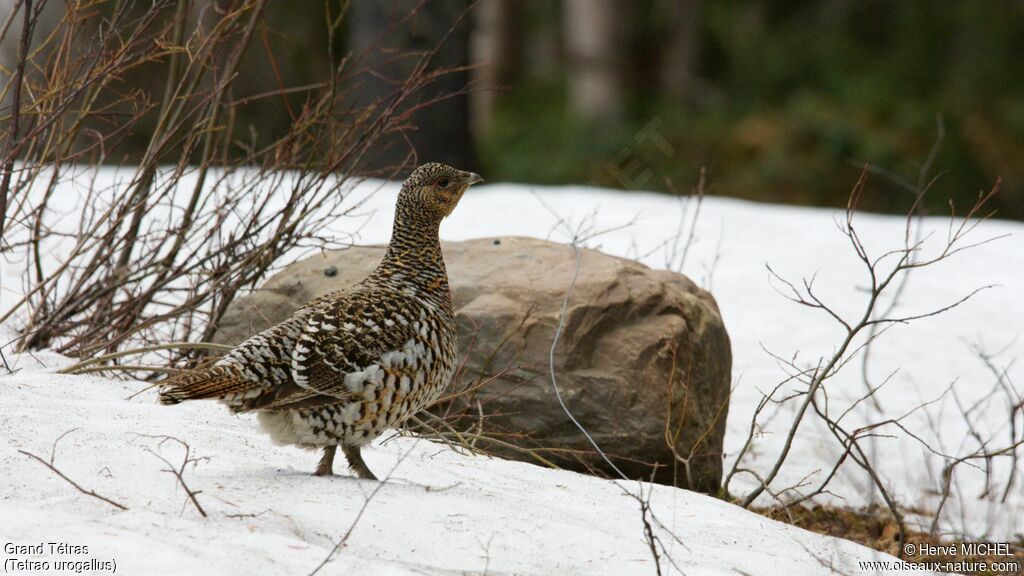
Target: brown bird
x=350 y=364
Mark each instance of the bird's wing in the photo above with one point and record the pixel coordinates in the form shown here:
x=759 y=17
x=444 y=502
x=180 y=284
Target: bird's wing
x=345 y=338
x=344 y=343
x=258 y=366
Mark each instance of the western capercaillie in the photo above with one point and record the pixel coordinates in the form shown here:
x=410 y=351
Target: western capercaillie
x=350 y=364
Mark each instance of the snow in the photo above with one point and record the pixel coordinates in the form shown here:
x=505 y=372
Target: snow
x=438 y=512
x=931 y=359
x=443 y=513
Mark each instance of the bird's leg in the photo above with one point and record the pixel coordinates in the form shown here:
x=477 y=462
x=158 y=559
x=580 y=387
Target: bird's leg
x=326 y=465
x=355 y=462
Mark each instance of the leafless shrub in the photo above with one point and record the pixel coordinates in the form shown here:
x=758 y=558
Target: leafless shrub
x=917 y=190
x=675 y=249
x=884 y=273
x=162 y=248
x=984 y=443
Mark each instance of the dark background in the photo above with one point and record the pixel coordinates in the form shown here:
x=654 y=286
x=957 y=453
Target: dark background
x=780 y=100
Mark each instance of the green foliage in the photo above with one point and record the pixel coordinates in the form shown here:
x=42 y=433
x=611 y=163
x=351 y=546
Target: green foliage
x=793 y=99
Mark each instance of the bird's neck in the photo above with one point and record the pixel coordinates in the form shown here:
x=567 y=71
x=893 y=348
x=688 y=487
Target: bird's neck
x=413 y=261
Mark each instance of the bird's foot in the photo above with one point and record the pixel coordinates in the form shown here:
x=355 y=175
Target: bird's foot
x=326 y=465
x=365 y=474
x=356 y=463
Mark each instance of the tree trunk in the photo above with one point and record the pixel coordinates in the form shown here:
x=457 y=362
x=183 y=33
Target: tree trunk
x=497 y=44
x=680 y=52
x=440 y=130
x=596 y=48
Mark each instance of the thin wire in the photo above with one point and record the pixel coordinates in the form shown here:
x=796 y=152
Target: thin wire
x=551 y=364
x=644 y=506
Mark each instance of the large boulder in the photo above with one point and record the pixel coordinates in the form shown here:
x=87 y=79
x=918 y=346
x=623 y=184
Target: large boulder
x=643 y=361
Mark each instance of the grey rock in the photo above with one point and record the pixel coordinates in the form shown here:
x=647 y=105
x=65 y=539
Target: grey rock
x=643 y=362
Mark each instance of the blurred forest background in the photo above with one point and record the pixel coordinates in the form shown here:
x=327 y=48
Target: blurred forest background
x=780 y=100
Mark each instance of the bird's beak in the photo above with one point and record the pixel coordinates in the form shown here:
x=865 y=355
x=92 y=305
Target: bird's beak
x=473 y=178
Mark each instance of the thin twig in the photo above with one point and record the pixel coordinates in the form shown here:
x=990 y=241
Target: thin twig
x=64 y=477
x=362 y=510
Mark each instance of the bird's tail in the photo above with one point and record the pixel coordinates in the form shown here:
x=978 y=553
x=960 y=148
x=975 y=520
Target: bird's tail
x=218 y=382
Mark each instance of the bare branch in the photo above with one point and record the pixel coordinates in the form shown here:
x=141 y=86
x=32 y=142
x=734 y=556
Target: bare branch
x=64 y=477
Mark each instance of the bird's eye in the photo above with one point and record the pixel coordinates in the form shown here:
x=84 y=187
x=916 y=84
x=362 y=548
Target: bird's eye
x=443 y=183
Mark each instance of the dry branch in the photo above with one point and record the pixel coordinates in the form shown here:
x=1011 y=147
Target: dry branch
x=886 y=277
x=179 y=471
x=64 y=477
x=879 y=280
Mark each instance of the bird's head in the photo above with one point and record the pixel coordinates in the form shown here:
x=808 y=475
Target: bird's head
x=433 y=190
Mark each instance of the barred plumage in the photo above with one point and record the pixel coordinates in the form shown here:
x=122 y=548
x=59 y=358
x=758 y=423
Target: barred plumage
x=350 y=364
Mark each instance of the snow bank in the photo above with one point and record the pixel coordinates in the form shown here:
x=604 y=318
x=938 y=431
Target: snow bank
x=439 y=513
x=588 y=519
